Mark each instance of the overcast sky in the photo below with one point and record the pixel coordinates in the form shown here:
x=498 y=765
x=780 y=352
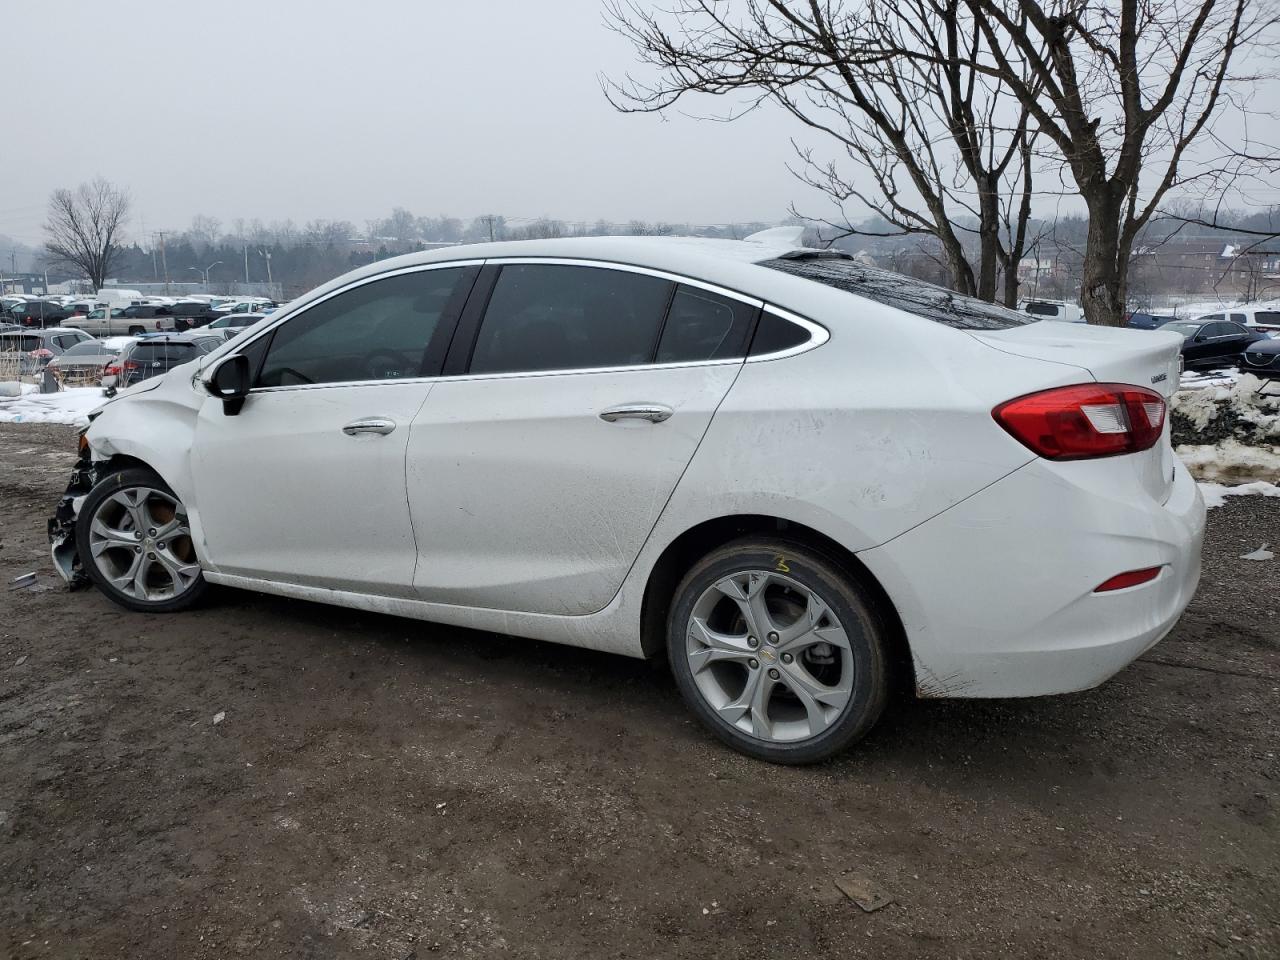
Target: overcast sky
x=310 y=108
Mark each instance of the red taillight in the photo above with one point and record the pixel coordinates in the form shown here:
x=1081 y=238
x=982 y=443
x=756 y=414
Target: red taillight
x=1130 y=579
x=111 y=370
x=1086 y=420
x=131 y=365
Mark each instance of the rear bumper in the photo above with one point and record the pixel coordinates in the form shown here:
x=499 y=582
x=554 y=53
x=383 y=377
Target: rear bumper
x=996 y=594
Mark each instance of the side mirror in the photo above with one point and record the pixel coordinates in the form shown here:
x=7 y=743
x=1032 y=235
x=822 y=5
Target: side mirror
x=228 y=380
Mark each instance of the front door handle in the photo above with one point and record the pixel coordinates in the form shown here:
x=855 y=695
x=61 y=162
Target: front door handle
x=653 y=412
x=379 y=425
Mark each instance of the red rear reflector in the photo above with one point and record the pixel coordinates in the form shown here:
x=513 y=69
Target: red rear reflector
x=1085 y=420
x=1130 y=579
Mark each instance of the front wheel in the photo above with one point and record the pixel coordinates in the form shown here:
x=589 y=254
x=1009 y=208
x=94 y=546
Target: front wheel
x=135 y=543
x=778 y=650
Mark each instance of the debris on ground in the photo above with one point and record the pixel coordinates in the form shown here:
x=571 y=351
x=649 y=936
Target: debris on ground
x=219 y=717
x=859 y=889
x=1262 y=553
x=23 y=582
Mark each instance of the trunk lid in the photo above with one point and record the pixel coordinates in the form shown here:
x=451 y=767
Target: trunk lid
x=1144 y=358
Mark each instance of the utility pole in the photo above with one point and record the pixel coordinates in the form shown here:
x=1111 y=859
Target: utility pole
x=267 y=256
x=246 y=266
x=164 y=263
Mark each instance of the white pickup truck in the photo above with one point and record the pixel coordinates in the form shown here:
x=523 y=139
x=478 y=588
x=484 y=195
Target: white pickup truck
x=132 y=320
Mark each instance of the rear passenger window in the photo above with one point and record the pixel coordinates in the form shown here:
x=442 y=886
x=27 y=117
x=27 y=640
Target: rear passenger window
x=774 y=334
x=1239 y=318
x=704 y=326
x=377 y=331
x=559 y=317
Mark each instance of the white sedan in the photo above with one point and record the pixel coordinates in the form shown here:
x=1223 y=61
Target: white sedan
x=797 y=477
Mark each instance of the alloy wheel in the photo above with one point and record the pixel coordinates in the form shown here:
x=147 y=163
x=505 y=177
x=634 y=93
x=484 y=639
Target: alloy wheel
x=769 y=656
x=141 y=544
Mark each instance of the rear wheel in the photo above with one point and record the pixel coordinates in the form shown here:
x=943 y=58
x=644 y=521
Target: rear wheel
x=778 y=650
x=135 y=543
x=136 y=331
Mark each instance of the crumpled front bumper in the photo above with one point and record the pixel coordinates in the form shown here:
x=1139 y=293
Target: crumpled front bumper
x=62 y=525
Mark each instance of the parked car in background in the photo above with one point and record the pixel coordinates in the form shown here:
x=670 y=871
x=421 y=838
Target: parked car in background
x=1262 y=318
x=1262 y=359
x=39 y=313
x=1053 y=310
x=132 y=320
x=1139 y=320
x=151 y=356
x=231 y=324
x=707 y=448
x=1216 y=343
x=245 y=305
x=38 y=347
x=82 y=364
x=190 y=314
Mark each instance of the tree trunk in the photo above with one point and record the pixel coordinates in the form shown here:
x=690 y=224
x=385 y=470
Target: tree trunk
x=1102 y=291
x=1010 y=296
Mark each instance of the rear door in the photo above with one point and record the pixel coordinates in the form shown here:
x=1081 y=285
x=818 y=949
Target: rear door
x=578 y=394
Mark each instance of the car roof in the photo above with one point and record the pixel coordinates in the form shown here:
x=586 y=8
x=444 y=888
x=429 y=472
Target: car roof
x=732 y=264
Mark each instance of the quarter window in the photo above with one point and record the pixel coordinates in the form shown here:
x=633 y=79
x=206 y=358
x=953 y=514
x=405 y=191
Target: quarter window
x=774 y=334
x=704 y=326
x=377 y=331
x=559 y=317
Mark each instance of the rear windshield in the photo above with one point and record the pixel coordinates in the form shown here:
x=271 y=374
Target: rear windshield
x=894 y=290
x=165 y=352
x=1043 y=309
x=20 y=343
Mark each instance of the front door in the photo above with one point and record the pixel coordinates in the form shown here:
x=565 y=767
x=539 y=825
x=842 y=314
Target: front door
x=306 y=484
x=535 y=477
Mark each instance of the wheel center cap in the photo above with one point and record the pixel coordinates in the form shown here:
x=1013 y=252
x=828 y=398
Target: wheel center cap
x=766 y=653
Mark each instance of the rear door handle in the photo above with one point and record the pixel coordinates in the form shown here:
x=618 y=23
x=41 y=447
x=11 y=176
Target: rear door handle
x=379 y=425
x=653 y=412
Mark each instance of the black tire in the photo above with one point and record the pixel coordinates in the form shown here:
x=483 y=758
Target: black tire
x=96 y=501
x=137 y=331
x=856 y=611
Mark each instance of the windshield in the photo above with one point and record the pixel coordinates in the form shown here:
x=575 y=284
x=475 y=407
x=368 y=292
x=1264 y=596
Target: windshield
x=905 y=293
x=1182 y=327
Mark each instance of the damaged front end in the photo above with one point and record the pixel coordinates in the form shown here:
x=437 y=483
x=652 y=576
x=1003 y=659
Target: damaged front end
x=62 y=525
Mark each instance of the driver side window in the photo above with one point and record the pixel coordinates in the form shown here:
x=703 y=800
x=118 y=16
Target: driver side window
x=377 y=331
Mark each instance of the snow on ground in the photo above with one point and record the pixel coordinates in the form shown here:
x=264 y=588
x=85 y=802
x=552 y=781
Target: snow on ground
x=1215 y=494
x=1194 y=379
x=68 y=406
x=1230 y=458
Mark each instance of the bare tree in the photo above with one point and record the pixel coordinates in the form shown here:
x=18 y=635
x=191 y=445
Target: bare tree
x=1126 y=91
x=1123 y=93
x=85 y=227
x=204 y=231
x=948 y=151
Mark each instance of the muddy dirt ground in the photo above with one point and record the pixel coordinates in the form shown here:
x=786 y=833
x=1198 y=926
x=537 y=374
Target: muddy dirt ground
x=384 y=788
